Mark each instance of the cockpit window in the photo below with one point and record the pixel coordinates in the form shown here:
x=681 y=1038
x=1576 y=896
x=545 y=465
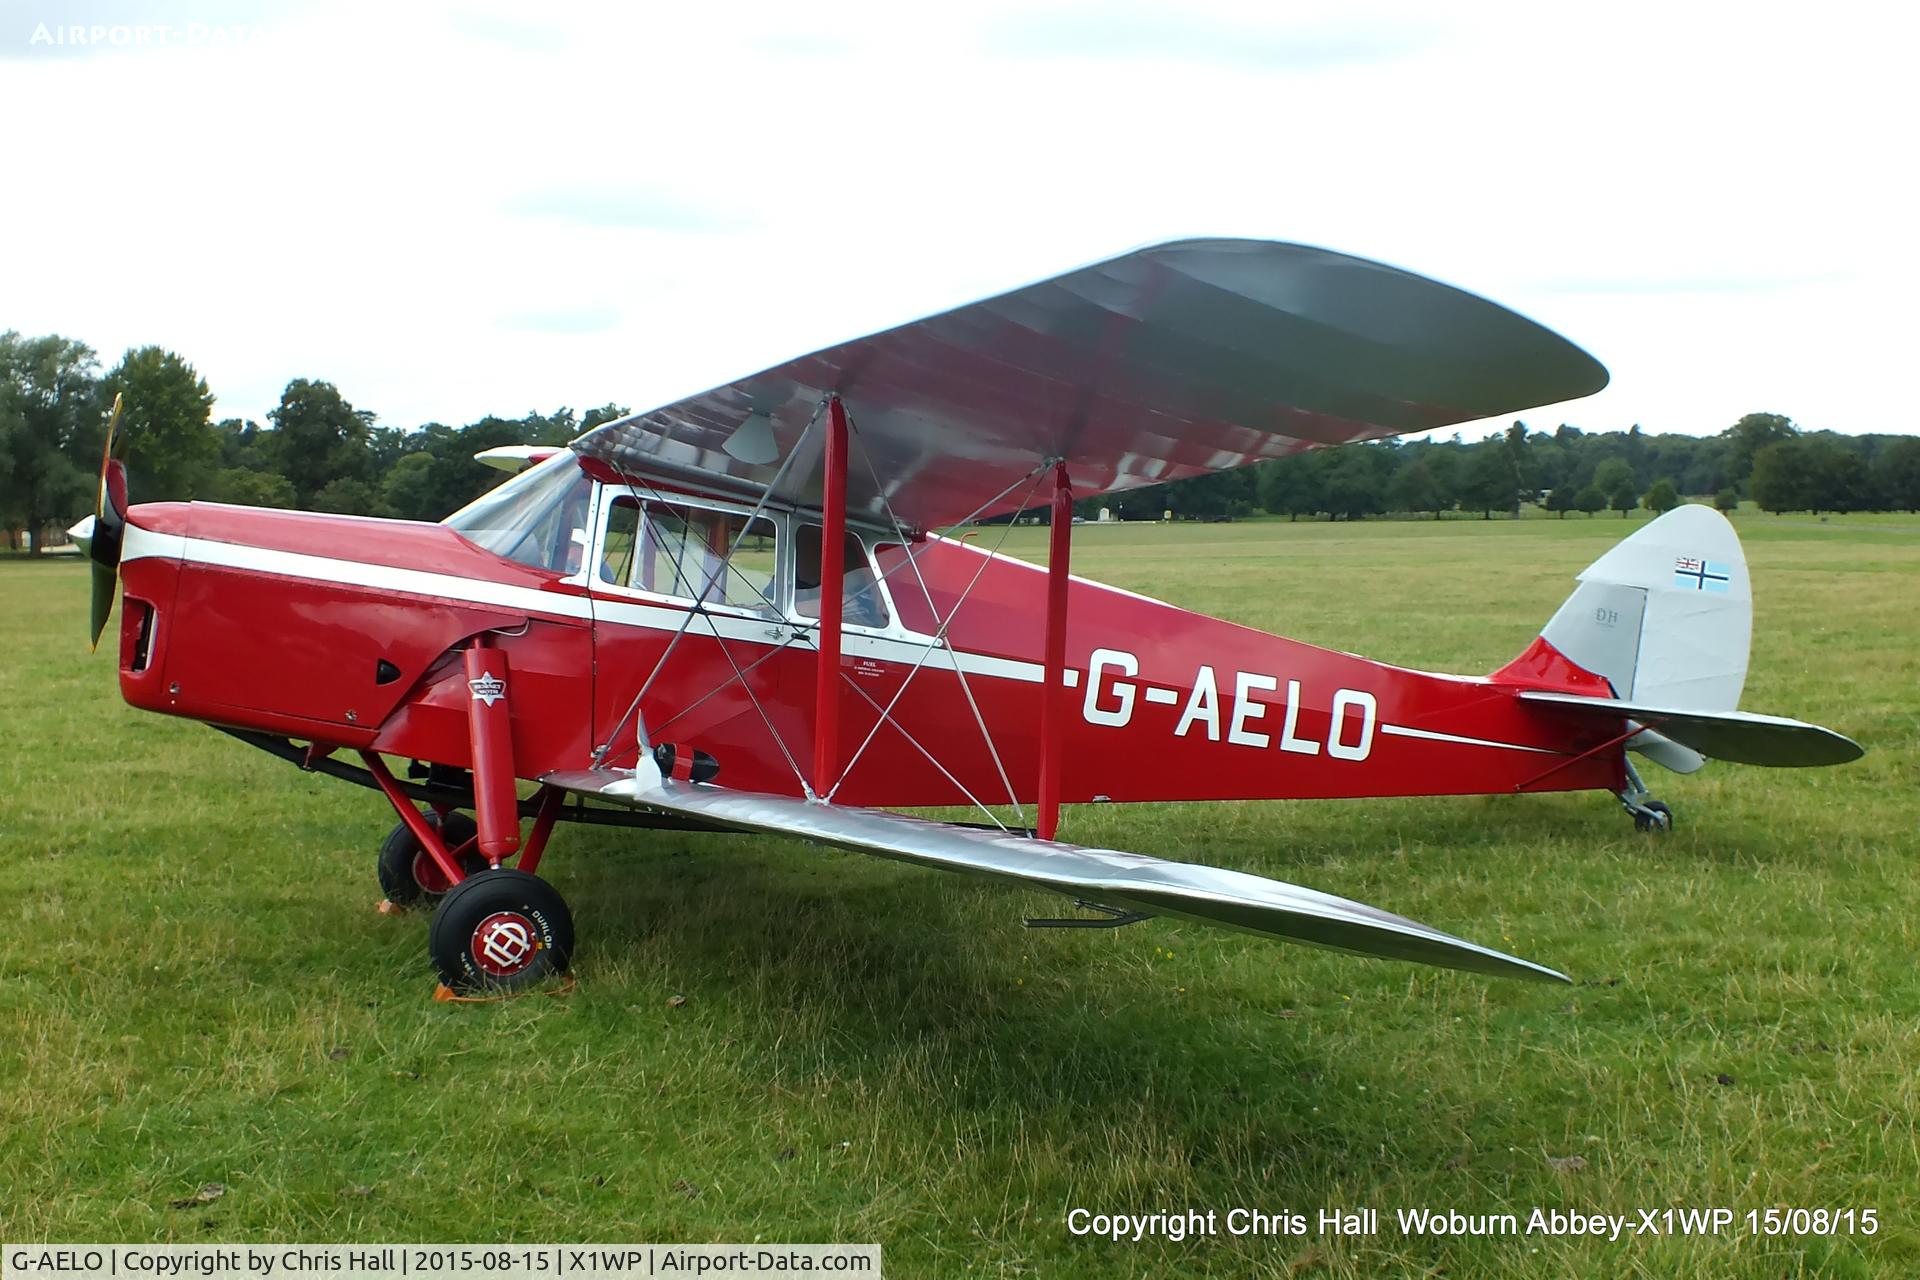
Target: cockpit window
x=693 y=553
x=861 y=604
x=538 y=518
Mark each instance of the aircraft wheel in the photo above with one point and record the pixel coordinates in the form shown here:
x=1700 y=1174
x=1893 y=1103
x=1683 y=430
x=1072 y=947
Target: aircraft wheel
x=501 y=930
x=408 y=876
x=1656 y=817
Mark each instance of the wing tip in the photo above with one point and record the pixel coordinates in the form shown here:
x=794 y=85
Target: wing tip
x=1540 y=973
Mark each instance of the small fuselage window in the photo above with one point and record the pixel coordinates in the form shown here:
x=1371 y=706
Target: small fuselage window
x=861 y=604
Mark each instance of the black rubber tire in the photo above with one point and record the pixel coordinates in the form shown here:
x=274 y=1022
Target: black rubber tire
x=400 y=852
x=1645 y=822
x=501 y=931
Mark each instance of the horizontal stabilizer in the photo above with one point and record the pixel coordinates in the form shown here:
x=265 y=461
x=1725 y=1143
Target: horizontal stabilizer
x=1739 y=736
x=1105 y=876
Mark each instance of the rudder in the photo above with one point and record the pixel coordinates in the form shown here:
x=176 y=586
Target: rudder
x=1666 y=620
x=1666 y=616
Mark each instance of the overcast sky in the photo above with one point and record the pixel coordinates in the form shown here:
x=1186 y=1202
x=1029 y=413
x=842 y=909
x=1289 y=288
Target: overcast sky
x=454 y=209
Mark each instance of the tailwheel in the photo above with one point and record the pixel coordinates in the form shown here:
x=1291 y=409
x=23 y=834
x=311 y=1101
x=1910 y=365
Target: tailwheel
x=501 y=931
x=408 y=874
x=1654 y=815
x=1648 y=814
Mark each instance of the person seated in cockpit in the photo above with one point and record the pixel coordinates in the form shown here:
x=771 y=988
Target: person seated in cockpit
x=860 y=602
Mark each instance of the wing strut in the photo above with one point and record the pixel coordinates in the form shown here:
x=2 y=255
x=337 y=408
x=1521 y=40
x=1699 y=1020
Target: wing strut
x=833 y=537
x=1053 y=691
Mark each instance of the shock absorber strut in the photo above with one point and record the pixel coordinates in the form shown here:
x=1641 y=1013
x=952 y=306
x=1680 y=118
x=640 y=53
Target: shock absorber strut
x=496 y=806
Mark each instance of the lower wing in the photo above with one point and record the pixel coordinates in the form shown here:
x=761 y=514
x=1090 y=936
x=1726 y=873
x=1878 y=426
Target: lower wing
x=1108 y=877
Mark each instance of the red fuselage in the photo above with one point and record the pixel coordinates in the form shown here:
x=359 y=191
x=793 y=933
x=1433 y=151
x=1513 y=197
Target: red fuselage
x=347 y=632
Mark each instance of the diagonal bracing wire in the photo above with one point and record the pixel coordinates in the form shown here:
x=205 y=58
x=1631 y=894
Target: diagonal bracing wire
x=714 y=692
x=633 y=708
x=941 y=639
x=765 y=719
x=931 y=758
x=699 y=609
x=912 y=558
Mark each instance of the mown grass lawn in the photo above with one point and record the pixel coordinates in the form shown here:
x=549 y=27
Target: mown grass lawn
x=195 y=987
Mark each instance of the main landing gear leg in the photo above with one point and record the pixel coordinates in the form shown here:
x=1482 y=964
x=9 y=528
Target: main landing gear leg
x=503 y=930
x=496 y=929
x=1648 y=814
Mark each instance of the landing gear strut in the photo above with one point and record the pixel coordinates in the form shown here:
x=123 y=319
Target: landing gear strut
x=1648 y=814
x=498 y=929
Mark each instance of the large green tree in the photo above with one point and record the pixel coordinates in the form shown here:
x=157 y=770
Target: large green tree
x=1290 y=486
x=247 y=488
x=1353 y=481
x=1897 y=471
x=169 y=443
x=245 y=444
x=1219 y=493
x=1614 y=478
x=1517 y=460
x=605 y=413
x=1747 y=437
x=319 y=439
x=1819 y=472
x=1414 y=488
x=50 y=432
x=1490 y=481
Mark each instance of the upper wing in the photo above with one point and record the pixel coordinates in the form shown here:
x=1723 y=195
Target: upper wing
x=1171 y=361
x=1740 y=736
x=1106 y=876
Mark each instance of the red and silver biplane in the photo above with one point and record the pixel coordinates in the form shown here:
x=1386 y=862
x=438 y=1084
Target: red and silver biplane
x=735 y=613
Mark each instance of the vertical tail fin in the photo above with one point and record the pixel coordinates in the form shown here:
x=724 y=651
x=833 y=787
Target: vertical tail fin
x=1666 y=618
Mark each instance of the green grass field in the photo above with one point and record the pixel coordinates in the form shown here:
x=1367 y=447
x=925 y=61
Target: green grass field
x=195 y=987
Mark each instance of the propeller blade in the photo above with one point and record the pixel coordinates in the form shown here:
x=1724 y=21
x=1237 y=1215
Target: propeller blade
x=102 y=534
x=104 y=581
x=106 y=456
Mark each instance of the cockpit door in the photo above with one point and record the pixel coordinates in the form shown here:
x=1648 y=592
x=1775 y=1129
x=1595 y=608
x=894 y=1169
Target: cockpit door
x=687 y=616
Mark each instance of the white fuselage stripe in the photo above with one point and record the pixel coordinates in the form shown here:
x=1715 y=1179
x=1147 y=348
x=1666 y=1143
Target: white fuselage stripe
x=1401 y=731
x=144 y=544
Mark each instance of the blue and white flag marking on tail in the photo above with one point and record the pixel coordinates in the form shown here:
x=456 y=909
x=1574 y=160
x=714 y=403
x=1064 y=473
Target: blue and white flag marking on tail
x=1701 y=575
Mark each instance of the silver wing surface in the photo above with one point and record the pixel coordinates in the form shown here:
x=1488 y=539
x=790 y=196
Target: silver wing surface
x=1743 y=737
x=1171 y=361
x=1106 y=876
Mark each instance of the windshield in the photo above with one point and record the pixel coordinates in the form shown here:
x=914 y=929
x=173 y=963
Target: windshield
x=538 y=518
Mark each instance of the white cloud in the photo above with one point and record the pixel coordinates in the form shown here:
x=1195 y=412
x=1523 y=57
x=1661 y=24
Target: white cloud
x=456 y=209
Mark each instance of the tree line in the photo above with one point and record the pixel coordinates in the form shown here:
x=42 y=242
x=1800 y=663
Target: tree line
x=318 y=452
x=1763 y=456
